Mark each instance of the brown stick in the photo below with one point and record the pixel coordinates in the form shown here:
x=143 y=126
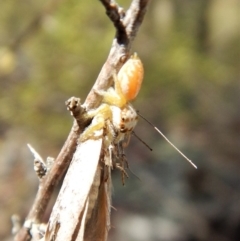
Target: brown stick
x=126 y=30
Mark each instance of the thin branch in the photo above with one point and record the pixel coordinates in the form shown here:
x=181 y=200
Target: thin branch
x=48 y=184
x=120 y=49
x=59 y=167
x=115 y=13
x=134 y=17
x=126 y=30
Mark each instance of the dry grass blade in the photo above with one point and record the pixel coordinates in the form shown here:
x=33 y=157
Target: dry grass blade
x=72 y=200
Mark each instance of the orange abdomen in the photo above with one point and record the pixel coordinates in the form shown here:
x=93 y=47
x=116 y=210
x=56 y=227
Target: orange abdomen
x=130 y=77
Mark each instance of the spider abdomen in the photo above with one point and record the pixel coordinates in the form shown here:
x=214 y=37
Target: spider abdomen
x=130 y=77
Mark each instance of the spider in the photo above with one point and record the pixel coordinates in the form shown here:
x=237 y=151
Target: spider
x=116 y=115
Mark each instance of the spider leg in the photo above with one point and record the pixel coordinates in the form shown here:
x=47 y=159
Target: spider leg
x=123 y=172
x=121 y=163
x=99 y=115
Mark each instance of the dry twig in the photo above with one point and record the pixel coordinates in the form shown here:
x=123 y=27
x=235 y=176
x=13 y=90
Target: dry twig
x=126 y=29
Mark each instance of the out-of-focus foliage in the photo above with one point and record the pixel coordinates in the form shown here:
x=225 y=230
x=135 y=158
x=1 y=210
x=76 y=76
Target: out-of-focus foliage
x=50 y=63
x=50 y=51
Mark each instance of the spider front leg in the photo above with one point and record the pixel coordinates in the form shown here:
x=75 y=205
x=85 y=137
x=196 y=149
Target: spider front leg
x=99 y=115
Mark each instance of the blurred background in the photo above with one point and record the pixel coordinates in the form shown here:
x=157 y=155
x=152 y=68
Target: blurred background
x=52 y=50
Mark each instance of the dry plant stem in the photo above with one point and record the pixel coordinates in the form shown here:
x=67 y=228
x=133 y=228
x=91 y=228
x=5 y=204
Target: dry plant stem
x=68 y=211
x=121 y=44
x=117 y=56
x=115 y=13
x=48 y=184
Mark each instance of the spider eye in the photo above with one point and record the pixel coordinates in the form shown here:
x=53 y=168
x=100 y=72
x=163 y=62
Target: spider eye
x=130 y=77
